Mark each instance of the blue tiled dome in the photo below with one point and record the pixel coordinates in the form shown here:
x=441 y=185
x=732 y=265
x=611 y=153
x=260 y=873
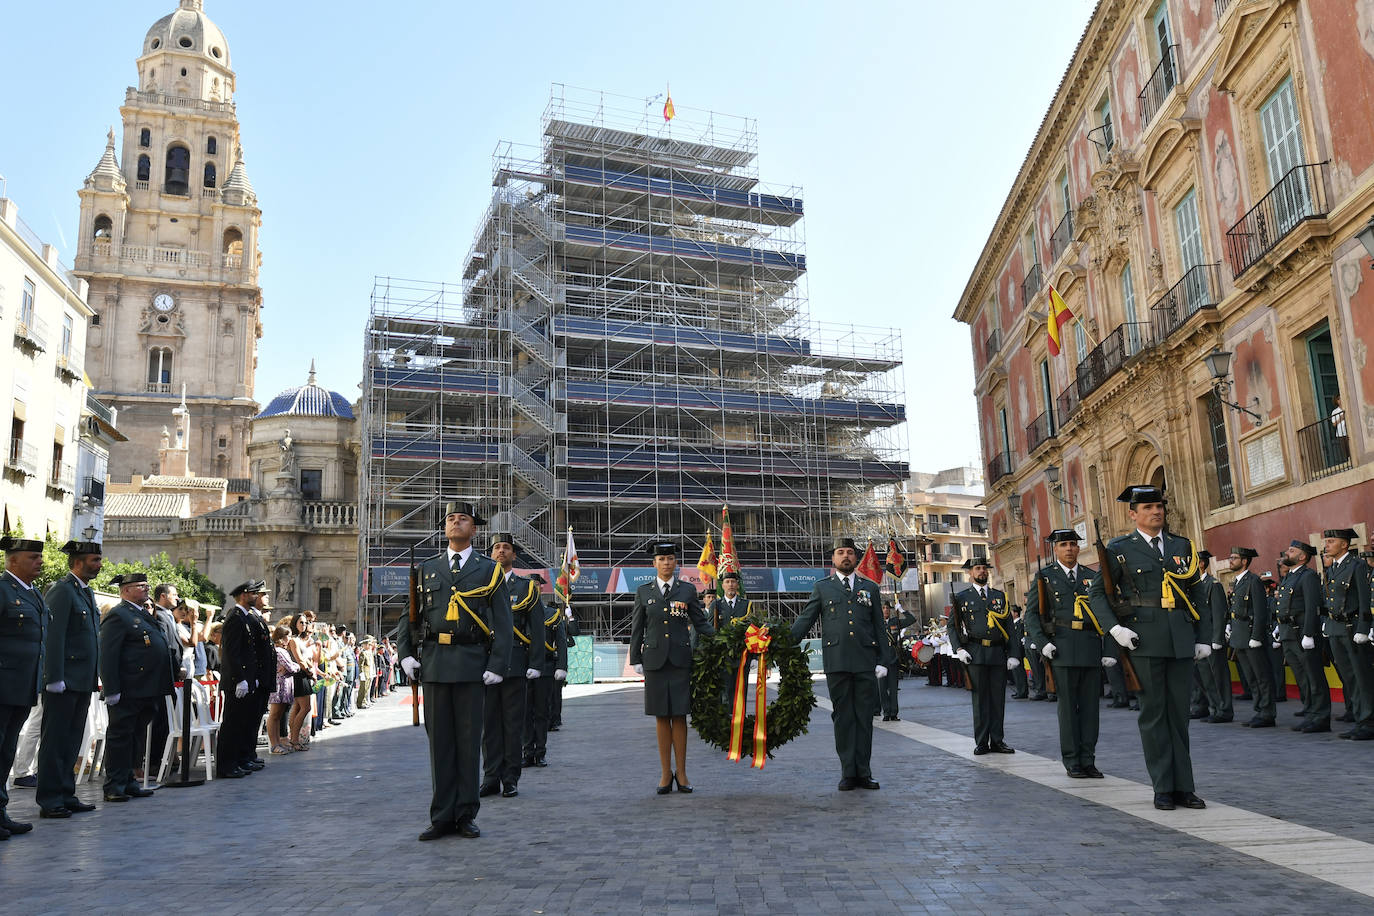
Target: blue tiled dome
x=308 y=400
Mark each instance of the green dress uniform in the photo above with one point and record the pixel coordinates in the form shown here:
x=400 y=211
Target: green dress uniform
x=725 y=611
x=454 y=651
x=1080 y=645
x=1251 y=621
x=661 y=640
x=892 y=630
x=1297 y=608
x=23 y=617
x=1215 y=669
x=505 y=704
x=1163 y=659
x=137 y=665
x=568 y=631
x=544 y=690
x=980 y=622
x=1345 y=599
x=71 y=656
x=853 y=645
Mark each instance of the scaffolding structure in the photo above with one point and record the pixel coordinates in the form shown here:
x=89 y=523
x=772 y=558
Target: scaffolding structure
x=631 y=349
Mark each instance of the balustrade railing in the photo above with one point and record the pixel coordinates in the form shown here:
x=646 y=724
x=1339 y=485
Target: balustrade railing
x=1323 y=449
x=1199 y=288
x=1160 y=84
x=1299 y=196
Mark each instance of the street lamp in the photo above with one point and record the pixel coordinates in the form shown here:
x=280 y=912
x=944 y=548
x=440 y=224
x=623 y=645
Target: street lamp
x=1014 y=503
x=1366 y=238
x=1052 y=475
x=88 y=532
x=1218 y=362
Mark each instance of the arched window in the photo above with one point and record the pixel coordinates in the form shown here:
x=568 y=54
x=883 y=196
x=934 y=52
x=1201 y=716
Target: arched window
x=178 y=172
x=104 y=228
x=326 y=603
x=209 y=174
x=145 y=168
x=233 y=248
x=160 y=369
x=145 y=138
x=210 y=146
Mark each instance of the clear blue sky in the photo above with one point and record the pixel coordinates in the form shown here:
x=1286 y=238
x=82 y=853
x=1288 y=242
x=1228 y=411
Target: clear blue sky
x=368 y=130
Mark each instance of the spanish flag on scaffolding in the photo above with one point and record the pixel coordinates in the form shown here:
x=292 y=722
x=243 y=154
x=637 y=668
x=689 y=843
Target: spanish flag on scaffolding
x=668 y=111
x=1059 y=316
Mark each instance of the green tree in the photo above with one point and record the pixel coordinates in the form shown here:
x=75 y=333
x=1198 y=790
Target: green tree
x=190 y=582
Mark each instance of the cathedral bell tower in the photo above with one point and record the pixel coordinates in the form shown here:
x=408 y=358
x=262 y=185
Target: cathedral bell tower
x=168 y=242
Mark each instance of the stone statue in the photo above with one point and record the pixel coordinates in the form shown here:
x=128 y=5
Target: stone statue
x=286 y=585
x=288 y=452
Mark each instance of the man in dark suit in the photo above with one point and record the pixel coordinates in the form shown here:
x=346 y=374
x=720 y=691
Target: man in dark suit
x=71 y=653
x=260 y=632
x=896 y=620
x=1297 y=607
x=136 y=668
x=855 y=655
x=1153 y=613
x=980 y=634
x=1346 y=626
x=505 y=704
x=1248 y=629
x=238 y=686
x=463 y=645
x=23 y=618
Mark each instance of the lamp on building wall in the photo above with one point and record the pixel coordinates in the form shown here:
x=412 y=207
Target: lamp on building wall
x=88 y=532
x=1218 y=363
x=1366 y=237
x=1056 y=488
x=1014 y=503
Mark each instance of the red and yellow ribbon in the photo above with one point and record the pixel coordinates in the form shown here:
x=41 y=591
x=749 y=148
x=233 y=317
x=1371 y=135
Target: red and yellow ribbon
x=756 y=641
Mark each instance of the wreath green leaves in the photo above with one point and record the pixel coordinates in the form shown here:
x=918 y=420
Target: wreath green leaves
x=713 y=687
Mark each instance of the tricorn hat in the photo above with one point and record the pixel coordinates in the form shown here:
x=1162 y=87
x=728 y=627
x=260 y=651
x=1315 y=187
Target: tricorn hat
x=1245 y=553
x=841 y=543
x=1304 y=547
x=1204 y=557
x=502 y=538
x=461 y=508
x=977 y=561
x=730 y=575
x=1061 y=535
x=77 y=548
x=538 y=577
x=131 y=578
x=662 y=549
x=1141 y=493
x=1345 y=534
x=20 y=545
x=252 y=585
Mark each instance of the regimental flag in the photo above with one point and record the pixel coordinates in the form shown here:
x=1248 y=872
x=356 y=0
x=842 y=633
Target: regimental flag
x=668 y=111
x=707 y=564
x=896 y=561
x=729 y=559
x=868 y=566
x=1059 y=316
x=568 y=573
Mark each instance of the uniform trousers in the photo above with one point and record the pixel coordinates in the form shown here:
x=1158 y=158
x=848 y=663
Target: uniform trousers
x=1079 y=689
x=26 y=753
x=128 y=717
x=1037 y=675
x=1357 y=677
x=556 y=705
x=1319 y=699
x=989 y=702
x=11 y=721
x=503 y=728
x=1020 y=686
x=453 y=721
x=1218 y=668
x=237 y=731
x=1259 y=673
x=890 y=687
x=1293 y=657
x=64 y=725
x=1164 y=721
x=853 y=700
x=1206 y=697
x=536 y=716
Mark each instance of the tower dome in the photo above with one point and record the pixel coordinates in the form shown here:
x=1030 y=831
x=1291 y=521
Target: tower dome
x=308 y=400
x=189 y=31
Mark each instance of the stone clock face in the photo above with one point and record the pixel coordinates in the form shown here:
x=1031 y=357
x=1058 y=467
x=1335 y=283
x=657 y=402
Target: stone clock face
x=163 y=302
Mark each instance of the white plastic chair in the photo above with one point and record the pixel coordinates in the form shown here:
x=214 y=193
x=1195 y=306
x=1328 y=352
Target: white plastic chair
x=93 y=746
x=203 y=731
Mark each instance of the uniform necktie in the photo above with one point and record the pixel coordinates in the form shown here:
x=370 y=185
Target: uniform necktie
x=849 y=582
x=665 y=589
x=982 y=593
x=457 y=562
x=1154 y=542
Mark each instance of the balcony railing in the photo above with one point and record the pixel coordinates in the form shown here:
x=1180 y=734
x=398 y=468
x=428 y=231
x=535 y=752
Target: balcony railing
x=1063 y=235
x=1299 y=196
x=938 y=528
x=100 y=410
x=1039 y=431
x=68 y=366
x=1159 y=85
x=22 y=458
x=1106 y=358
x=1199 y=288
x=1067 y=403
x=945 y=557
x=158 y=387
x=998 y=467
x=31 y=335
x=979 y=528
x=63 y=479
x=992 y=346
x=1220 y=7
x=1102 y=138
x=1031 y=285
x=181 y=102
x=1323 y=452
x=331 y=515
x=93 y=490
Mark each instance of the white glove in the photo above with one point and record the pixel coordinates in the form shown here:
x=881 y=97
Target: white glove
x=1200 y=651
x=639 y=669
x=1108 y=661
x=1361 y=638
x=880 y=671
x=560 y=675
x=491 y=677
x=1309 y=643
x=1049 y=650
x=1228 y=632
x=964 y=657
x=1216 y=647
x=411 y=666
x=1013 y=663
x=112 y=699
x=241 y=690
x=1255 y=643
x=1125 y=638
x=532 y=673
x=1276 y=644
x=56 y=687
x=567 y=612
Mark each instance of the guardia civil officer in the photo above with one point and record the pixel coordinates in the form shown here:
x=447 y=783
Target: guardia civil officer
x=1153 y=613
x=666 y=609
x=505 y=704
x=1248 y=632
x=980 y=633
x=464 y=646
x=23 y=618
x=1214 y=671
x=1297 y=607
x=239 y=683
x=728 y=609
x=855 y=656
x=897 y=619
x=539 y=715
x=568 y=631
x=137 y=665
x=71 y=653
x=1072 y=640
x=1345 y=625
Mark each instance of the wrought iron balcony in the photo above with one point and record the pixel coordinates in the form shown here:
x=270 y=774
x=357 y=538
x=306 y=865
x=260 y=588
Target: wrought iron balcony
x=22 y=458
x=31 y=335
x=992 y=346
x=93 y=490
x=1106 y=358
x=998 y=467
x=978 y=526
x=1031 y=285
x=1299 y=196
x=1199 y=288
x=1102 y=138
x=1323 y=452
x=1160 y=84
x=99 y=409
x=63 y=479
x=1067 y=403
x=1039 y=431
x=69 y=367
x=1063 y=235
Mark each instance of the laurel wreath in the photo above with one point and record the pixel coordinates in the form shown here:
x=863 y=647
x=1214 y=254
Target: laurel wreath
x=713 y=686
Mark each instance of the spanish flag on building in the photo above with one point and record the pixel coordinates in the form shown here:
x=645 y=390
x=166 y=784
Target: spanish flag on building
x=1059 y=316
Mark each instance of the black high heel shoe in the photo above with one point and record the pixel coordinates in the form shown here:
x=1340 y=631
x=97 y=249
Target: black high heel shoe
x=680 y=786
x=664 y=790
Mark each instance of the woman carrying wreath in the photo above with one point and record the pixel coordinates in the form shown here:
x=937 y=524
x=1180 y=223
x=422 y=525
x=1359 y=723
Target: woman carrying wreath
x=666 y=609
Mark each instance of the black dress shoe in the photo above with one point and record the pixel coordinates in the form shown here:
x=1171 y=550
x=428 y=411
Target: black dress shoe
x=1346 y=716
x=1001 y=747
x=527 y=761
x=1133 y=706
x=1312 y=728
x=235 y=773
x=31 y=782
x=1348 y=735
x=1200 y=714
x=848 y=784
x=4 y=834
x=54 y=812
x=1020 y=696
x=116 y=797
x=468 y=830
x=488 y=788
x=887 y=718
x=540 y=761
x=1038 y=696
x=896 y=718
x=1077 y=772
x=1260 y=723
x=14 y=827
x=1360 y=734
x=509 y=791
x=1093 y=772
x=78 y=807
x=1303 y=713
x=980 y=750
x=435 y=831
x=1216 y=719
x=138 y=792
x=254 y=765
x=1188 y=800
x=259 y=761
x=866 y=782
x=1164 y=801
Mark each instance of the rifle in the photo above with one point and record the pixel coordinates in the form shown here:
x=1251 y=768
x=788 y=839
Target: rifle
x=1046 y=621
x=956 y=621
x=1104 y=570
x=416 y=636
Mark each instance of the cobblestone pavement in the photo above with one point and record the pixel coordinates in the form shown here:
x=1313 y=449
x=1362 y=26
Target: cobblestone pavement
x=336 y=828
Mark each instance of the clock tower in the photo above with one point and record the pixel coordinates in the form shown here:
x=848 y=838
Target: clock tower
x=168 y=242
